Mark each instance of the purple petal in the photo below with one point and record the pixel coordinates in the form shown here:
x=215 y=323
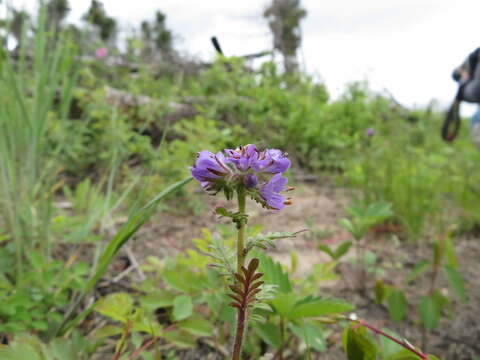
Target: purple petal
x=270 y=192
x=275 y=161
x=277 y=182
x=208 y=167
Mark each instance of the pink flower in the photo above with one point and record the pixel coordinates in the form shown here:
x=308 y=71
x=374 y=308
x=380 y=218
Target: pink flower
x=100 y=53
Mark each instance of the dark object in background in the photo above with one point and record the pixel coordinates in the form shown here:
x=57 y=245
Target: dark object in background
x=216 y=45
x=218 y=49
x=451 y=125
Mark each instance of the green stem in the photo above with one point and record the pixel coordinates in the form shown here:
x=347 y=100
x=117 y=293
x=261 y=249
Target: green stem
x=241 y=225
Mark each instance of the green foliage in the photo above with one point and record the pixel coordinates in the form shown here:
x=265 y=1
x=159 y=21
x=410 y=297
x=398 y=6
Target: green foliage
x=29 y=347
x=35 y=302
x=136 y=220
x=364 y=217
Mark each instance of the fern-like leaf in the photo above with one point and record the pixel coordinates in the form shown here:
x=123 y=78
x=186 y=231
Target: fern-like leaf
x=246 y=287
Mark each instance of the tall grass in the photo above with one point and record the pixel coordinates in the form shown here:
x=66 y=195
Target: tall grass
x=38 y=81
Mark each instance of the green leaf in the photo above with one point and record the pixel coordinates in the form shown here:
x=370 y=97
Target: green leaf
x=116 y=306
x=456 y=282
x=319 y=307
x=284 y=303
x=107 y=331
x=443 y=303
x=182 y=307
x=36 y=260
x=270 y=333
x=397 y=305
x=450 y=256
x=180 y=338
x=312 y=335
x=388 y=346
x=223 y=212
x=429 y=312
x=326 y=249
x=358 y=346
x=19 y=351
x=156 y=300
x=417 y=270
x=274 y=273
x=197 y=325
x=342 y=249
x=347 y=225
x=380 y=291
x=403 y=354
x=183 y=280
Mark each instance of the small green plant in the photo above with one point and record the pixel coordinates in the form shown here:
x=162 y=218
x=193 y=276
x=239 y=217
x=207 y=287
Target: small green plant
x=434 y=303
x=363 y=218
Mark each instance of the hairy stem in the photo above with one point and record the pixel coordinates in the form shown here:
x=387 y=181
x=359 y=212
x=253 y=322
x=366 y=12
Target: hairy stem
x=241 y=225
x=237 y=348
x=402 y=343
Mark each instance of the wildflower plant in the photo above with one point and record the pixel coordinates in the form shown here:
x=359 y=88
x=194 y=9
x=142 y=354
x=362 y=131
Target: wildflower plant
x=241 y=173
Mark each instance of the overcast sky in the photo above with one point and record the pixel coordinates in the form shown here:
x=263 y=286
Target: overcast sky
x=407 y=46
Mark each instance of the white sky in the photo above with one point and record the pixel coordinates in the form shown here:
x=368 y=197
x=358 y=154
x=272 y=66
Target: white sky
x=409 y=47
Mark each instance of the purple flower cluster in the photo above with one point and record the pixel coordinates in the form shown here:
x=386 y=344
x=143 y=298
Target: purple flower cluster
x=260 y=172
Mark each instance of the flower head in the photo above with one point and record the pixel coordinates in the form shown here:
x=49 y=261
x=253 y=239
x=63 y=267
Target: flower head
x=259 y=172
x=370 y=132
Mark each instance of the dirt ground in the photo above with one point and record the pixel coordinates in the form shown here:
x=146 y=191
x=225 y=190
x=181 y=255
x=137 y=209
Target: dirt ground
x=318 y=207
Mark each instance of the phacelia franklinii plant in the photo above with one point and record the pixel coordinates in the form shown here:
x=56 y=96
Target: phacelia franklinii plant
x=258 y=174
